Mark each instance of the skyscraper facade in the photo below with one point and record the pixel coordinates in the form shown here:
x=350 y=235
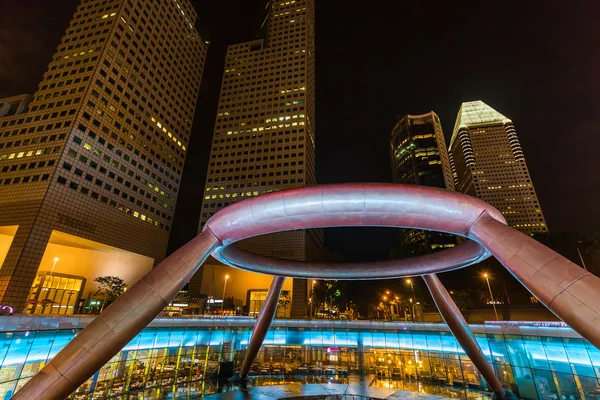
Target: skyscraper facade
x=418 y=152
x=488 y=163
x=264 y=137
x=418 y=156
x=90 y=174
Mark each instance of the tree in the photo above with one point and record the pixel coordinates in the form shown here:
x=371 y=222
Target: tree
x=575 y=247
x=468 y=298
x=328 y=293
x=110 y=287
x=284 y=302
x=406 y=250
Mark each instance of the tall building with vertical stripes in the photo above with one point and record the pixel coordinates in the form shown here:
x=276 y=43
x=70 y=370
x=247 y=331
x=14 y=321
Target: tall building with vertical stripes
x=488 y=163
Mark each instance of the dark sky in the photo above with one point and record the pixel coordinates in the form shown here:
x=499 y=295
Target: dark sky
x=537 y=62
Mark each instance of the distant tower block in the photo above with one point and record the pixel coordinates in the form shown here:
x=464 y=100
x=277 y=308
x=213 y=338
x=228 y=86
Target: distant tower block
x=488 y=163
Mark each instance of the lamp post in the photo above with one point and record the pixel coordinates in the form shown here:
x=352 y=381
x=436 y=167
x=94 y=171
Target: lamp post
x=394 y=300
x=385 y=299
x=581 y=258
x=54 y=265
x=412 y=288
x=485 y=275
x=70 y=293
x=47 y=289
x=310 y=299
x=223 y=297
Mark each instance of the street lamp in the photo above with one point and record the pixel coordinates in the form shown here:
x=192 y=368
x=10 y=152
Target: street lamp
x=410 y=282
x=576 y=243
x=310 y=299
x=485 y=275
x=394 y=299
x=47 y=289
x=54 y=265
x=223 y=297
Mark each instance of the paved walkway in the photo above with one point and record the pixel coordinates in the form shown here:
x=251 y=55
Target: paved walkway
x=356 y=386
x=295 y=390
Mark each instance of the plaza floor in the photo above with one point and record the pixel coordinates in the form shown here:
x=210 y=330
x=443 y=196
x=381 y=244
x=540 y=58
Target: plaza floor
x=351 y=388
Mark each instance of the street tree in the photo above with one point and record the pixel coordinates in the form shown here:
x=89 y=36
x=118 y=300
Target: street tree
x=110 y=288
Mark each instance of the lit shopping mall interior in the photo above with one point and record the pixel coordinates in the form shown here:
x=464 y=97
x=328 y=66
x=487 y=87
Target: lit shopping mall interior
x=184 y=358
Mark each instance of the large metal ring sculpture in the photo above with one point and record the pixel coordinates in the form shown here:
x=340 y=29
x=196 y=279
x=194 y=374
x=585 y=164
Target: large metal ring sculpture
x=567 y=290
x=352 y=205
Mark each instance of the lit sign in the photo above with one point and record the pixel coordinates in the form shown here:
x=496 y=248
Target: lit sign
x=10 y=309
x=529 y=323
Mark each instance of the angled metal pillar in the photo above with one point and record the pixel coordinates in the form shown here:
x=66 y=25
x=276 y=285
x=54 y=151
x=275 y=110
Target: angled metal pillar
x=118 y=324
x=460 y=329
x=565 y=288
x=263 y=322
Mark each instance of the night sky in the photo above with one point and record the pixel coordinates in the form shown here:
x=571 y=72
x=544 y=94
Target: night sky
x=537 y=62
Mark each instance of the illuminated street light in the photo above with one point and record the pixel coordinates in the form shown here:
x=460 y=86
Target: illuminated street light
x=310 y=299
x=54 y=265
x=485 y=275
x=47 y=287
x=410 y=282
x=224 y=286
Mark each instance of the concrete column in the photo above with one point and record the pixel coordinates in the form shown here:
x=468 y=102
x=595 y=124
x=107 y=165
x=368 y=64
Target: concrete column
x=299 y=298
x=460 y=329
x=568 y=290
x=21 y=265
x=118 y=324
x=263 y=322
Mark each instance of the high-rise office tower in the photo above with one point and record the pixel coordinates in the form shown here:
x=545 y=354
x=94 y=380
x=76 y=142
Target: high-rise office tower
x=418 y=155
x=90 y=174
x=488 y=163
x=264 y=138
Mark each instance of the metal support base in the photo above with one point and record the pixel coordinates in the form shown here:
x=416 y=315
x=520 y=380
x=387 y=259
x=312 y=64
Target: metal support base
x=261 y=327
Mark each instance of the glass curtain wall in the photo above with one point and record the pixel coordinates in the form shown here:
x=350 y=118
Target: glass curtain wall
x=165 y=361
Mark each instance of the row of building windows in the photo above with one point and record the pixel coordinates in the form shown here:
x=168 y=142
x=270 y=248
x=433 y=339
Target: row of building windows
x=36 y=118
x=40 y=164
x=27 y=142
x=24 y=179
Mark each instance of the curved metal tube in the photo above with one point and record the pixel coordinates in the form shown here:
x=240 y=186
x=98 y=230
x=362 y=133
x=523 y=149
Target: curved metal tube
x=460 y=329
x=354 y=204
x=263 y=322
x=566 y=289
x=118 y=324
x=459 y=256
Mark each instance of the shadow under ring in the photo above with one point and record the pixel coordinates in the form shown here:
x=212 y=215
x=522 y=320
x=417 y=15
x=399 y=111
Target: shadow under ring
x=450 y=259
